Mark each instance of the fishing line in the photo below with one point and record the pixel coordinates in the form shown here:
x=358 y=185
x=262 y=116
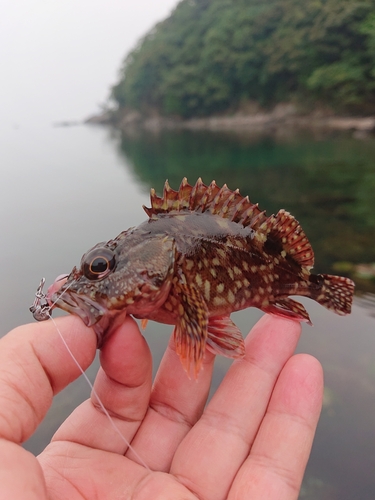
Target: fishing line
x=94 y=392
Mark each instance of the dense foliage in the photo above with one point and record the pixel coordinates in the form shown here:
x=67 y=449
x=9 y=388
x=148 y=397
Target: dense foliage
x=213 y=55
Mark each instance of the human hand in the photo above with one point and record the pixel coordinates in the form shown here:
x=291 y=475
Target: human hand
x=252 y=441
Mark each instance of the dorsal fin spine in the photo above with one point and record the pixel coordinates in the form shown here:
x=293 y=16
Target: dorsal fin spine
x=183 y=194
x=240 y=208
x=219 y=200
x=195 y=194
x=201 y=198
x=285 y=228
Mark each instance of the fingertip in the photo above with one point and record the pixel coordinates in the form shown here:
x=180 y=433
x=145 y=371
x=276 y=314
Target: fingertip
x=47 y=340
x=272 y=338
x=303 y=362
x=301 y=384
x=125 y=355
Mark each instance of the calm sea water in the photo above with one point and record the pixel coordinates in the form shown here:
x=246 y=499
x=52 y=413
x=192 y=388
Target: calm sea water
x=65 y=189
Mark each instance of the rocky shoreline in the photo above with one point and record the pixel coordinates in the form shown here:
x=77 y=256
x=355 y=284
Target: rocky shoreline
x=283 y=115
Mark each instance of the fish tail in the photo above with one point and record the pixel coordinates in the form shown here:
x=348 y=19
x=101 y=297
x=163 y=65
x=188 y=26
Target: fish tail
x=333 y=292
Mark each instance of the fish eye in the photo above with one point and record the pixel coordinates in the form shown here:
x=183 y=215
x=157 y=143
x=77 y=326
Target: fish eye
x=98 y=263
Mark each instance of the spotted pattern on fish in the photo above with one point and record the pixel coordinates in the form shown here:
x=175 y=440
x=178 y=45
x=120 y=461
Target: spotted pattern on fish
x=204 y=252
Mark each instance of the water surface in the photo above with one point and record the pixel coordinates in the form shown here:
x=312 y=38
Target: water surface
x=65 y=189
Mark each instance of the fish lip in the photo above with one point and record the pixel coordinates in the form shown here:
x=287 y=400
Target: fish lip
x=87 y=309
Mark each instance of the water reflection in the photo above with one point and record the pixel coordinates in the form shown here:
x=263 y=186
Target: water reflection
x=327 y=183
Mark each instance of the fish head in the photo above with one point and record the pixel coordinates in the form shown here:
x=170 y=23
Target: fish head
x=123 y=276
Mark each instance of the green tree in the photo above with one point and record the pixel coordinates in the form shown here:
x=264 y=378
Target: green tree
x=210 y=55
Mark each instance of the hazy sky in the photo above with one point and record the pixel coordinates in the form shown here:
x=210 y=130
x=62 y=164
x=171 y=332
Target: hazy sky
x=58 y=58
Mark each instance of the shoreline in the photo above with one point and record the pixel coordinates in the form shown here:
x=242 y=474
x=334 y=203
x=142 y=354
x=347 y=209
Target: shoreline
x=283 y=115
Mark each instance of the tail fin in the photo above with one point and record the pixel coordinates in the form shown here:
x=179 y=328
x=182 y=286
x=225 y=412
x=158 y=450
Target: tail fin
x=336 y=293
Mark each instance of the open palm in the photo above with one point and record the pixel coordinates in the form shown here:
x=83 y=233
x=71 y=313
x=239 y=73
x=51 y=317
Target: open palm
x=251 y=441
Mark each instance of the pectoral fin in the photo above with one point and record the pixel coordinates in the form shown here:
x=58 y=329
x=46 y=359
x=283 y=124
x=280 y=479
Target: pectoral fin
x=190 y=333
x=225 y=338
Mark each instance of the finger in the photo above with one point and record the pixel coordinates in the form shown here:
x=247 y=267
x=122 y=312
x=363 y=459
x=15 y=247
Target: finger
x=209 y=458
x=282 y=447
x=34 y=366
x=176 y=404
x=123 y=385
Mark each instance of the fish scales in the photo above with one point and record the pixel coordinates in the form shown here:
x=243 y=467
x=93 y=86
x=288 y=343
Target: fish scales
x=204 y=252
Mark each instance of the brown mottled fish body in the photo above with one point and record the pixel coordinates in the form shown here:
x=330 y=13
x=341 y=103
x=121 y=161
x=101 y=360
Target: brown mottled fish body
x=203 y=253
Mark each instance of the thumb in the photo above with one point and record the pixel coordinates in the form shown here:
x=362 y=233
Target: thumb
x=34 y=366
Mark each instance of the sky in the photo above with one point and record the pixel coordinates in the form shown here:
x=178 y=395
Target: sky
x=59 y=58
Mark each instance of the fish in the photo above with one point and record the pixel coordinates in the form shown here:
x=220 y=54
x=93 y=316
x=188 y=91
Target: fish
x=204 y=252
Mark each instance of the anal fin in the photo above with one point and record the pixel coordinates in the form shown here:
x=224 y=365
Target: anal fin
x=288 y=308
x=225 y=338
x=190 y=333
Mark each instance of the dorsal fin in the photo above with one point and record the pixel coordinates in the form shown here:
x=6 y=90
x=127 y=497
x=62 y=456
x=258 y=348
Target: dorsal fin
x=283 y=228
x=201 y=198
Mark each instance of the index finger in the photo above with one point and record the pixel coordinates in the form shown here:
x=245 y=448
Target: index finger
x=34 y=366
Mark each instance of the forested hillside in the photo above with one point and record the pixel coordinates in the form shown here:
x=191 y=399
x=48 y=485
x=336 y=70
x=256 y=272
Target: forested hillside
x=210 y=56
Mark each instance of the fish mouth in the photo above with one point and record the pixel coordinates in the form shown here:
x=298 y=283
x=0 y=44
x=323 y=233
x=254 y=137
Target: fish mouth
x=88 y=310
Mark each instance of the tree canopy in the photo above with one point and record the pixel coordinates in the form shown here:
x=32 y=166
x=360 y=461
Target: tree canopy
x=210 y=56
